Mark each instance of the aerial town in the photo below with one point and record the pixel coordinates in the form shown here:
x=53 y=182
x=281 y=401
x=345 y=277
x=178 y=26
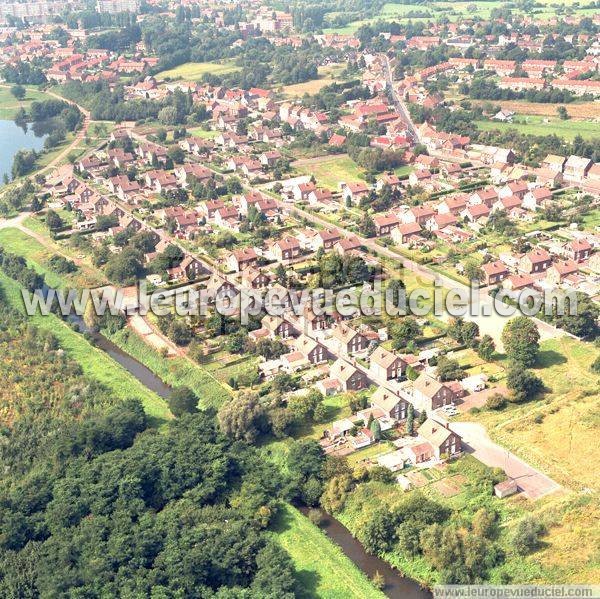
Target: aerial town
x=201 y=152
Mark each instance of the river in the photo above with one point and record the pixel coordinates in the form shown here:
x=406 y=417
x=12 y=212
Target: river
x=14 y=138
x=396 y=585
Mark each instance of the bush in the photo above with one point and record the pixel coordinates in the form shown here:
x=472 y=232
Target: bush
x=497 y=401
x=526 y=539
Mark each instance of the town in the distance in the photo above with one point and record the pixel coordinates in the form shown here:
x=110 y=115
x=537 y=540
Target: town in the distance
x=350 y=150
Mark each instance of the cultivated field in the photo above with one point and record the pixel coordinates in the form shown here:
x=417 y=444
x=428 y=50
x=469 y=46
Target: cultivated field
x=327 y=75
x=580 y=110
x=195 y=70
x=539 y=125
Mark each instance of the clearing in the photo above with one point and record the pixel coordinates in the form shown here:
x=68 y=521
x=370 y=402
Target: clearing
x=558 y=432
x=330 y=171
x=328 y=74
x=195 y=70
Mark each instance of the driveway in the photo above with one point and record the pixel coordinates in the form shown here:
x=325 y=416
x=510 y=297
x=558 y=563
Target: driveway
x=531 y=482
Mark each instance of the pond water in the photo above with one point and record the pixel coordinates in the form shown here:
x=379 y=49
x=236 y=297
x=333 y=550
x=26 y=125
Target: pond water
x=13 y=138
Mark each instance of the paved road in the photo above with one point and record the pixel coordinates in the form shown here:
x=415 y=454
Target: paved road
x=532 y=482
x=399 y=104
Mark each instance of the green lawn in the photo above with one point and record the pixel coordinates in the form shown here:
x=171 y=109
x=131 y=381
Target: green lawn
x=538 y=125
x=330 y=171
x=173 y=371
x=9 y=104
x=93 y=361
x=195 y=70
x=203 y=133
x=322 y=569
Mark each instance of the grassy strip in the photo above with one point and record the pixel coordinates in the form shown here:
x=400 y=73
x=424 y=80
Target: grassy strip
x=37 y=255
x=93 y=361
x=173 y=371
x=322 y=569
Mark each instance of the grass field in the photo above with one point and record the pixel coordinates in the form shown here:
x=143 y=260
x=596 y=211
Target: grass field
x=195 y=70
x=558 y=432
x=539 y=125
x=18 y=242
x=327 y=74
x=579 y=110
x=454 y=11
x=330 y=171
x=93 y=361
x=203 y=133
x=322 y=569
x=173 y=371
x=9 y=104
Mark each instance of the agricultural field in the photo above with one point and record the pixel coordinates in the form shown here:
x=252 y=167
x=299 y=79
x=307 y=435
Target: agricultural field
x=322 y=569
x=328 y=74
x=194 y=71
x=454 y=11
x=9 y=104
x=540 y=125
x=330 y=171
x=577 y=110
x=38 y=254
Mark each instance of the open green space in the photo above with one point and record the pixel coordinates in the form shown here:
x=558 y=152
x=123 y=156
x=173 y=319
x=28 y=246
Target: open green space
x=555 y=432
x=330 y=171
x=93 y=361
x=539 y=125
x=321 y=567
x=9 y=105
x=16 y=241
x=173 y=371
x=203 y=133
x=195 y=70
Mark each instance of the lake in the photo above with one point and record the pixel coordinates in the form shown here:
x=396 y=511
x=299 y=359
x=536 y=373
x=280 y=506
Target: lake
x=13 y=139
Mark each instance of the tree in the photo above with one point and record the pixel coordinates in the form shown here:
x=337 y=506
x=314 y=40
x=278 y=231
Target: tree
x=18 y=91
x=336 y=492
x=484 y=523
x=410 y=420
x=53 y=221
x=406 y=330
x=496 y=401
x=183 y=401
x=449 y=370
x=563 y=115
x=378 y=533
x=375 y=429
x=523 y=384
x=125 y=267
x=367 y=226
x=520 y=338
x=486 y=348
x=240 y=417
x=527 y=536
